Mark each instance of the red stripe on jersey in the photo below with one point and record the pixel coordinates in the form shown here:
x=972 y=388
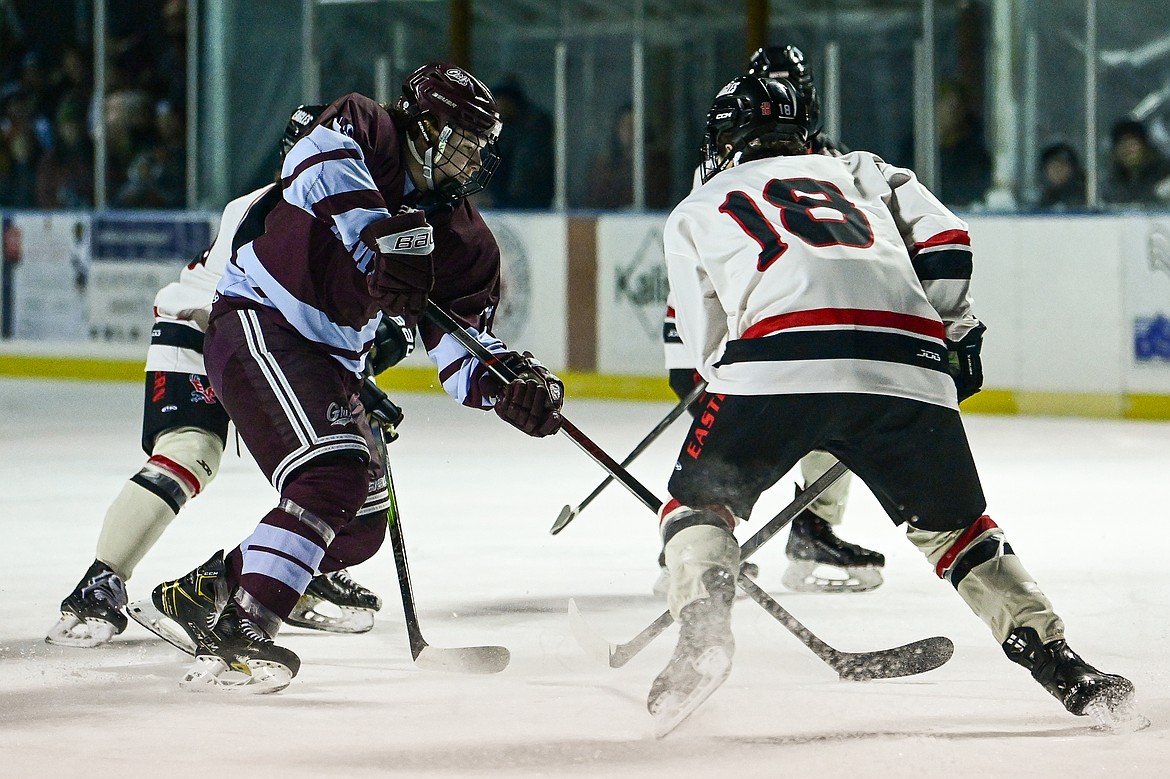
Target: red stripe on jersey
x=181 y=473
x=847 y=316
x=670 y=312
x=943 y=239
x=977 y=528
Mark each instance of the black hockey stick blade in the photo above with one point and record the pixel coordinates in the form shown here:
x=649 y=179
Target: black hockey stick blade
x=568 y=513
x=907 y=660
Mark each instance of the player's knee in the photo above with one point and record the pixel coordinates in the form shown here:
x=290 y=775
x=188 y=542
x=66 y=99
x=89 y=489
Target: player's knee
x=955 y=553
x=181 y=465
x=332 y=488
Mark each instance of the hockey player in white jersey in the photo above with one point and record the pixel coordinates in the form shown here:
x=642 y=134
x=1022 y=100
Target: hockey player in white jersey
x=818 y=560
x=184 y=433
x=826 y=303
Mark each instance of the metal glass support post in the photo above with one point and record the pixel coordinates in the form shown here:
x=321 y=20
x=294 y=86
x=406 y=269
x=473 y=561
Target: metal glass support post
x=101 y=157
x=192 y=137
x=560 y=126
x=1092 y=171
x=832 y=82
x=925 y=131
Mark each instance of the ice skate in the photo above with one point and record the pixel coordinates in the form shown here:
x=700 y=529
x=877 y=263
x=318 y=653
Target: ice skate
x=92 y=614
x=335 y=603
x=237 y=655
x=702 y=658
x=184 y=610
x=819 y=561
x=1083 y=690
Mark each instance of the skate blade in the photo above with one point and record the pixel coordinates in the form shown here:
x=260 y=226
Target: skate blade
x=256 y=677
x=672 y=708
x=144 y=613
x=1113 y=715
x=74 y=631
x=345 y=619
x=809 y=576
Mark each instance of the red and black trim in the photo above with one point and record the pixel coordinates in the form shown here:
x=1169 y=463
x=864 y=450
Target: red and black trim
x=943 y=256
x=838 y=345
x=963 y=557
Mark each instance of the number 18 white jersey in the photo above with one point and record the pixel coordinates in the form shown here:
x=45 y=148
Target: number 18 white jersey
x=820 y=274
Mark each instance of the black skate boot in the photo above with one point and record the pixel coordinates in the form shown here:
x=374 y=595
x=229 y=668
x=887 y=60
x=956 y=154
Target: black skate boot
x=348 y=606
x=812 y=543
x=702 y=658
x=238 y=654
x=1083 y=690
x=92 y=614
x=662 y=583
x=182 y=611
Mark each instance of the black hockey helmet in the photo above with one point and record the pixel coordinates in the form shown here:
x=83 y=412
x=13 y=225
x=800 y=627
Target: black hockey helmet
x=464 y=124
x=753 y=118
x=301 y=118
x=788 y=62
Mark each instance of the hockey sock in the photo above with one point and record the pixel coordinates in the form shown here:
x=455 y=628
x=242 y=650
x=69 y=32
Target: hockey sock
x=988 y=576
x=830 y=504
x=183 y=462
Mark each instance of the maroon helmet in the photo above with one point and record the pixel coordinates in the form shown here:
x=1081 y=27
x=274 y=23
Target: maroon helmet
x=463 y=157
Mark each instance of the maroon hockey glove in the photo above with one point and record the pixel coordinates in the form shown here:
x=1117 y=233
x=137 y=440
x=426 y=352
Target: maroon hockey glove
x=531 y=402
x=402 y=272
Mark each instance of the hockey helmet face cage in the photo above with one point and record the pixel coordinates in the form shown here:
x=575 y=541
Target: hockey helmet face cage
x=787 y=62
x=753 y=118
x=301 y=118
x=455 y=115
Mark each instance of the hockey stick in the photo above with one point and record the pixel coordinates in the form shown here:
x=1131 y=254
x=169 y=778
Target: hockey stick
x=913 y=658
x=444 y=322
x=569 y=513
x=466 y=659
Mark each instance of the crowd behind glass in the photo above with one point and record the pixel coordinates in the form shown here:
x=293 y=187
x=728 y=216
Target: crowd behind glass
x=48 y=116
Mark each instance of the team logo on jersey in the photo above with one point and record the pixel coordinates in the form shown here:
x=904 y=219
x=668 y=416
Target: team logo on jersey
x=203 y=392
x=338 y=415
x=343 y=126
x=458 y=76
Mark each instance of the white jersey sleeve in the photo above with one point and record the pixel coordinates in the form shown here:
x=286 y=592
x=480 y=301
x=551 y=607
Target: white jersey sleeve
x=794 y=275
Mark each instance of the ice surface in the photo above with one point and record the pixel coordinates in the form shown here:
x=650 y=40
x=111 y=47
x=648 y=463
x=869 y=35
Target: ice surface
x=1085 y=504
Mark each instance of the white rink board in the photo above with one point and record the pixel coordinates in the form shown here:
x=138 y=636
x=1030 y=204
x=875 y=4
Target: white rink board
x=631 y=294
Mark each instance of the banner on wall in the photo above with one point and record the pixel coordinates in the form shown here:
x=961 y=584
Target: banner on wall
x=132 y=258
x=631 y=294
x=46 y=260
x=1147 y=261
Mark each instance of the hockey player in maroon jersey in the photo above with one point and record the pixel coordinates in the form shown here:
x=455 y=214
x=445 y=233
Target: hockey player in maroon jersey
x=825 y=300
x=373 y=221
x=184 y=429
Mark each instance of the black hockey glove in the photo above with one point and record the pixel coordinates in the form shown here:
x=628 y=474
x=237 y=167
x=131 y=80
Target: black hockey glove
x=964 y=363
x=393 y=341
x=378 y=405
x=402 y=273
x=532 y=401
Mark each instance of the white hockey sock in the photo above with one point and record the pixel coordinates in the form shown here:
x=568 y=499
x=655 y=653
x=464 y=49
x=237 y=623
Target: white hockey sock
x=134 y=522
x=690 y=553
x=830 y=504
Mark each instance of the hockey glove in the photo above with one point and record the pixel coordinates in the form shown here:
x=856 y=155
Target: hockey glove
x=964 y=363
x=379 y=406
x=393 y=341
x=402 y=273
x=532 y=401
x=683 y=381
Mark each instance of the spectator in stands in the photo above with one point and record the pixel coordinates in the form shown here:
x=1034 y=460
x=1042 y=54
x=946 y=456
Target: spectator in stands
x=20 y=152
x=524 y=178
x=1139 y=173
x=130 y=134
x=1062 y=178
x=157 y=175
x=65 y=173
x=964 y=166
x=611 y=179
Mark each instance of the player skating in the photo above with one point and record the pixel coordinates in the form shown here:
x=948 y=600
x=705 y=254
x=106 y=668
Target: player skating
x=373 y=220
x=825 y=301
x=818 y=560
x=183 y=432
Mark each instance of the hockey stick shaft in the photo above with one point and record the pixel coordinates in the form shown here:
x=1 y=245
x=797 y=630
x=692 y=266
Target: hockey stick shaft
x=567 y=517
x=493 y=363
x=623 y=653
